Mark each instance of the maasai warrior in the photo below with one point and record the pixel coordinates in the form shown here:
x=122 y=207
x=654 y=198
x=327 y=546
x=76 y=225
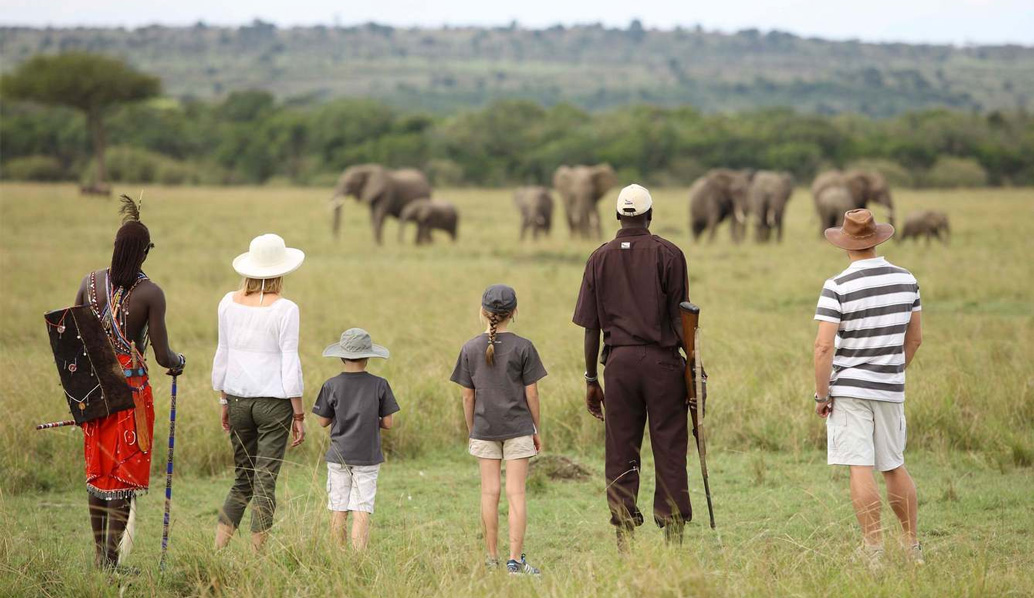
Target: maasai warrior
x=631 y=292
x=118 y=447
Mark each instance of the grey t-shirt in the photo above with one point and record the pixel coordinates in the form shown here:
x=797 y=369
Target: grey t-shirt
x=500 y=407
x=356 y=401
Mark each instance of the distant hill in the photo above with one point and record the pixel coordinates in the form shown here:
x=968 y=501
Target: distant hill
x=441 y=70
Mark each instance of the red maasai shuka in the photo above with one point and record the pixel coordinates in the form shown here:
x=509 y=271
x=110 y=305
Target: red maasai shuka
x=116 y=464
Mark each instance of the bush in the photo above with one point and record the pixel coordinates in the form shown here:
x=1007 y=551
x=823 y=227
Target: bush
x=949 y=172
x=34 y=168
x=444 y=173
x=134 y=165
x=896 y=174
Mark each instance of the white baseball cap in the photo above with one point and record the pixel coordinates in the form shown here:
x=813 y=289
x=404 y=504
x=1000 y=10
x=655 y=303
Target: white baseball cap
x=634 y=200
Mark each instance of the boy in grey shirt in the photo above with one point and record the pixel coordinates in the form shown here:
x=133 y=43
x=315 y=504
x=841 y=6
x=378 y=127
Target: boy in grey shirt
x=356 y=405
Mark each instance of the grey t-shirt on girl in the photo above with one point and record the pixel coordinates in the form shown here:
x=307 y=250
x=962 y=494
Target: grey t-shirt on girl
x=356 y=401
x=500 y=407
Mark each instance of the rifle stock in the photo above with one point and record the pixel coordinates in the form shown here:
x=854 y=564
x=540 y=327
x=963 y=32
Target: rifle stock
x=696 y=390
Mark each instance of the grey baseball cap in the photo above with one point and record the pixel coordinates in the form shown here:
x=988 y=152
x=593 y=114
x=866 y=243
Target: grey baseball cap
x=355 y=343
x=499 y=299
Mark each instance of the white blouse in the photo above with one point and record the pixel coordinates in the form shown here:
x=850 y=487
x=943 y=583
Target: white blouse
x=258 y=350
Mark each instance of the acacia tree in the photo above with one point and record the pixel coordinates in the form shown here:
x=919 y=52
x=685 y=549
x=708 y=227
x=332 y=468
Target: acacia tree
x=91 y=83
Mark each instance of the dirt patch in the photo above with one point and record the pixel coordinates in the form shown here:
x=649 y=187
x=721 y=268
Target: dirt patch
x=559 y=468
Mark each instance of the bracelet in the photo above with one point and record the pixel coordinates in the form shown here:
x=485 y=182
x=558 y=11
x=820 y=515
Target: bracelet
x=825 y=400
x=589 y=378
x=299 y=417
x=223 y=401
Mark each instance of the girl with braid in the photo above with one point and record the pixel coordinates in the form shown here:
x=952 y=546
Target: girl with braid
x=499 y=372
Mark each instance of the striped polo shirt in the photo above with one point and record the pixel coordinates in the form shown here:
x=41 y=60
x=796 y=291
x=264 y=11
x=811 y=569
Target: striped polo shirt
x=872 y=301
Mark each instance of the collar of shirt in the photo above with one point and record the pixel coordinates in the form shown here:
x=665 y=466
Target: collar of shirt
x=631 y=232
x=869 y=263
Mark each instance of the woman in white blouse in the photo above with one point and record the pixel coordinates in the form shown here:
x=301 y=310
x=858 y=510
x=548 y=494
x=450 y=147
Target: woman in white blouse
x=259 y=378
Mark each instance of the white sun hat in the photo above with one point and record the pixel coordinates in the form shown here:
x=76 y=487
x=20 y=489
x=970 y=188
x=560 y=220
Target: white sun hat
x=268 y=257
x=634 y=200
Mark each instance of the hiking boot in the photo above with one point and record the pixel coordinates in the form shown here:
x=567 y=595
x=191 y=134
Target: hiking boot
x=871 y=556
x=521 y=567
x=915 y=553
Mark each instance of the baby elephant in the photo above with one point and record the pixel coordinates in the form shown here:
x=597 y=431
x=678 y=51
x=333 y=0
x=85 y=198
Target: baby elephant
x=927 y=224
x=429 y=215
x=536 y=207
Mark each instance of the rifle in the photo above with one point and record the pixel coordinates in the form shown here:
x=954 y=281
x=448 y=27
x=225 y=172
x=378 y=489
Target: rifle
x=696 y=389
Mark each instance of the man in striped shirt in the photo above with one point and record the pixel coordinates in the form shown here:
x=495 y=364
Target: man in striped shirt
x=869 y=331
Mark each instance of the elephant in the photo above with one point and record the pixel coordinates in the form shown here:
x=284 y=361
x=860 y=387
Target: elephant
x=769 y=193
x=862 y=186
x=536 y=207
x=429 y=215
x=719 y=194
x=580 y=187
x=385 y=191
x=927 y=224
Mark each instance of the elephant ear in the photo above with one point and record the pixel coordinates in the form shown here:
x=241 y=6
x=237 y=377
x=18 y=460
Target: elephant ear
x=603 y=179
x=860 y=186
x=377 y=180
x=562 y=178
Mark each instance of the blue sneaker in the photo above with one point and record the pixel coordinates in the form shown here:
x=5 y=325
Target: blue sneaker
x=521 y=567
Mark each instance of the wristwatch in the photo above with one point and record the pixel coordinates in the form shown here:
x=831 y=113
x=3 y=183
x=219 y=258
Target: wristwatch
x=223 y=401
x=818 y=400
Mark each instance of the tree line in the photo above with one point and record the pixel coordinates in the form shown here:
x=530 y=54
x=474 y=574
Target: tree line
x=250 y=137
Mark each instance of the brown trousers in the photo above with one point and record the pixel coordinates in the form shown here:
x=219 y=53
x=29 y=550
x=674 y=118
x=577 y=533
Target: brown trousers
x=646 y=383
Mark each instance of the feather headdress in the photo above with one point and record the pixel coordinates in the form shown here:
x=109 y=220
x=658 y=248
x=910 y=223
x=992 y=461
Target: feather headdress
x=130 y=209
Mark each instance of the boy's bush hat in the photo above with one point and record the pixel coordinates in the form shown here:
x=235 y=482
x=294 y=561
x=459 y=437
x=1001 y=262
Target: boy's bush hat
x=355 y=343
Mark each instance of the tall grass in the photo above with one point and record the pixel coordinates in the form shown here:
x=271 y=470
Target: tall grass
x=969 y=389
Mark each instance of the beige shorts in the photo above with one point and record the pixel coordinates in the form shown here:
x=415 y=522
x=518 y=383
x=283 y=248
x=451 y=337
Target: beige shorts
x=866 y=432
x=521 y=447
x=351 y=487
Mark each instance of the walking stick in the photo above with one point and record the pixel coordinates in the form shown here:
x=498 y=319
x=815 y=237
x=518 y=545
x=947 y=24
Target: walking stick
x=61 y=424
x=168 y=477
x=696 y=389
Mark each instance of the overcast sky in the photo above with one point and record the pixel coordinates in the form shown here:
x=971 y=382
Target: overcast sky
x=936 y=21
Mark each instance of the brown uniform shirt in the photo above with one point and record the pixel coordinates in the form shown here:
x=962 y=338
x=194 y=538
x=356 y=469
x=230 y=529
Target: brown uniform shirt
x=632 y=288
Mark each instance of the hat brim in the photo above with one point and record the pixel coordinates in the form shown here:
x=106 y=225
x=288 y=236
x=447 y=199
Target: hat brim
x=837 y=237
x=245 y=265
x=336 y=350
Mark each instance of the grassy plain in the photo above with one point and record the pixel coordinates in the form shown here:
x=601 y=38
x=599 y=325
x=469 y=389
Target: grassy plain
x=785 y=519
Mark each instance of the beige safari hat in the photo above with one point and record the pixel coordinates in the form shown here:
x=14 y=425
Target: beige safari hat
x=355 y=343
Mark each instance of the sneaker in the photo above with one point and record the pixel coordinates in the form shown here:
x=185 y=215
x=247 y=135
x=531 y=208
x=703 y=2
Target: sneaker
x=521 y=567
x=492 y=563
x=916 y=554
x=871 y=556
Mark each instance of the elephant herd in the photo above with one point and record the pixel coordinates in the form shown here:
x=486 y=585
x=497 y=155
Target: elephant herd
x=743 y=197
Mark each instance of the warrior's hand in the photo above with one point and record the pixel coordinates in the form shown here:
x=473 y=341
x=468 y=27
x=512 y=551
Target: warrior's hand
x=177 y=369
x=594 y=399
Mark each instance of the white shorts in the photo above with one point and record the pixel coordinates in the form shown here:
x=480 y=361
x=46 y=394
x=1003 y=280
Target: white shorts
x=351 y=487
x=521 y=447
x=867 y=433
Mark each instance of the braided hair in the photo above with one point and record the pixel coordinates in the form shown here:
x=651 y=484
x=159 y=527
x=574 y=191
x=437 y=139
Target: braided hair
x=132 y=243
x=494 y=320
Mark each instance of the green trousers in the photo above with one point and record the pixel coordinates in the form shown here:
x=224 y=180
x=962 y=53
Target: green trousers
x=259 y=429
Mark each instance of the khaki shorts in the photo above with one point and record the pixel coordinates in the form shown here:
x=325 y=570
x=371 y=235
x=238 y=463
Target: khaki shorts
x=867 y=433
x=351 y=487
x=521 y=447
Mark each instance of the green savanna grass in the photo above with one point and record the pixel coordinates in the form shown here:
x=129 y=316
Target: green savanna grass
x=785 y=518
